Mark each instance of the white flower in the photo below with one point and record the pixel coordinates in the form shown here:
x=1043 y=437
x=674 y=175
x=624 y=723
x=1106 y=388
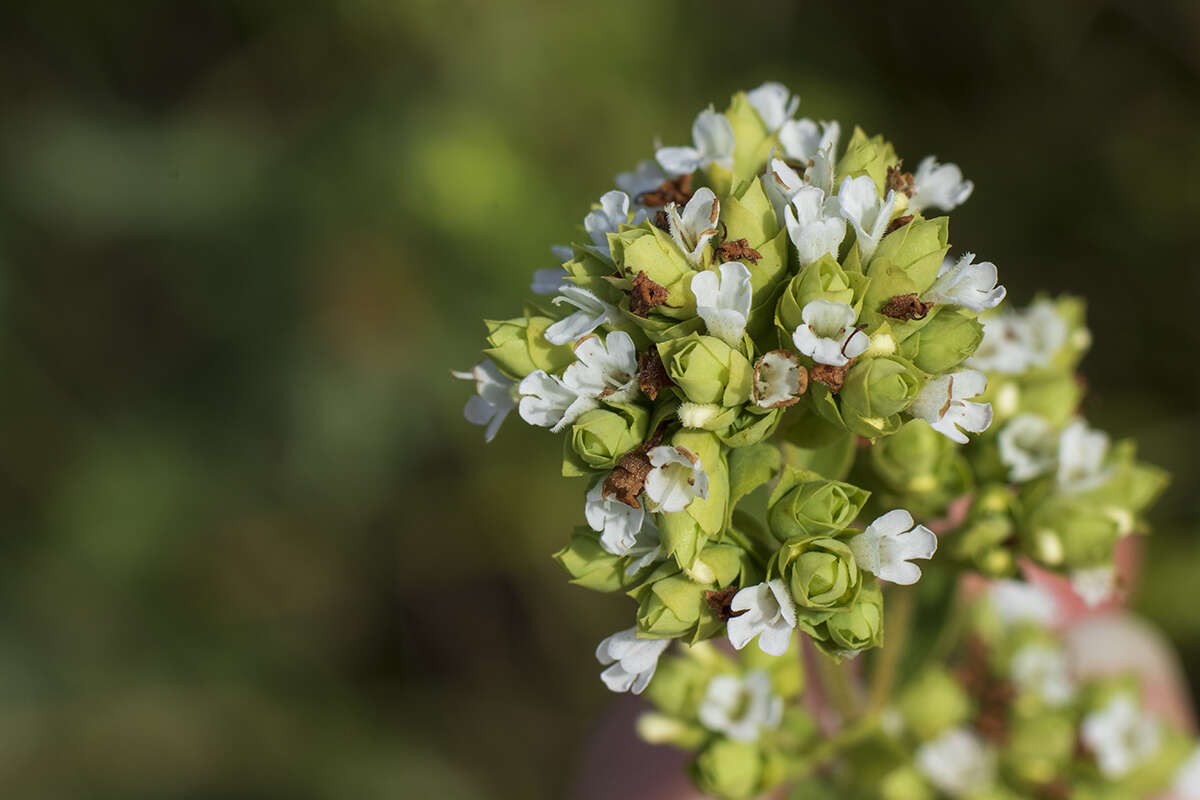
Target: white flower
x=1043 y=670
x=860 y=205
x=617 y=523
x=606 y=369
x=633 y=660
x=1094 y=585
x=781 y=183
x=547 y=281
x=1016 y=602
x=677 y=477
x=777 y=380
x=712 y=137
x=813 y=225
x=1028 y=447
x=1186 y=785
x=1081 y=454
x=1045 y=331
x=943 y=404
x=697 y=225
x=698 y=415
x=1005 y=347
x=1121 y=736
x=938 y=186
x=888 y=545
x=493 y=397
x=802 y=140
x=724 y=303
x=774 y=102
x=591 y=314
x=966 y=284
x=608 y=218
x=957 y=762
x=742 y=707
x=645 y=177
x=769 y=614
x=548 y=402
x=828 y=335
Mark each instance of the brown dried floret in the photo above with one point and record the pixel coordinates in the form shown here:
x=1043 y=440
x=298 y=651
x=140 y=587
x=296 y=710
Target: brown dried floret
x=900 y=181
x=721 y=601
x=629 y=476
x=677 y=191
x=645 y=295
x=760 y=385
x=737 y=250
x=831 y=376
x=897 y=223
x=906 y=307
x=661 y=222
x=652 y=373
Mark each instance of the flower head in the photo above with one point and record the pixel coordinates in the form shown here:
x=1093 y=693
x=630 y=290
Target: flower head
x=804 y=141
x=1043 y=670
x=697 y=225
x=767 y=611
x=1016 y=602
x=1081 y=454
x=606 y=369
x=943 y=404
x=888 y=545
x=957 y=762
x=677 y=477
x=938 y=186
x=712 y=139
x=1028 y=447
x=1121 y=735
x=742 y=707
x=813 y=224
x=493 y=397
x=967 y=284
x=591 y=313
x=862 y=207
x=774 y=102
x=1094 y=585
x=632 y=660
x=828 y=335
x=724 y=302
x=548 y=402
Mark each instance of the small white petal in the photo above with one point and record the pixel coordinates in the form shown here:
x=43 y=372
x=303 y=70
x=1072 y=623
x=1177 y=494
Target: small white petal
x=938 y=186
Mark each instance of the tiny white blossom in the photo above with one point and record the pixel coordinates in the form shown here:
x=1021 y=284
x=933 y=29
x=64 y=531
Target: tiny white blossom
x=1186 y=785
x=712 y=139
x=742 y=707
x=777 y=380
x=724 y=302
x=1045 y=331
x=938 y=186
x=645 y=177
x=1043 y=670
x=632 y=660
x=617 y=523
x=888 y=545
x=803 y=140
x=493 y=397
x=781 y=183
x=591 y=314
x=606 y=369
x=1094 y=585
x=768 y=613
x=860 y=204
x=828 y=335
x=608 y=218
x=943 y=404
x=549 y=403
x=967 y=284
x=1121 y=736
x=547 y=281
x=1016 y=602
x=693 y=229
x=813 y=225
x=1005 y=346
x=1081 y=454
x=677 y=477
x=774 y=102
x=957 y=762
x=698 y=415
x=1028 y=447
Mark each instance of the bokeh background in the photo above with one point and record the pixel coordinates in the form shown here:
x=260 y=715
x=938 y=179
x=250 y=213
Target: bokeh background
x=251 y=549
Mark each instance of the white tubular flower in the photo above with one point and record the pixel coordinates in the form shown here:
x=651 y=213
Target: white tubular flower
x=1121 y=736
x=767 y=612
x=632 y=660
x=1043 y=670
x=1081 y=454
x=1005 y=346
x=646 y=550
x=966 y=284
x=697 y=225
x=781 y=183
x=777 y=381
x=1186 y=785
x=1028 y=447
x=775 y=103
x=606 y=369
x=1045 y=332
x=617 y=523
x=888 y=545
x=1094 y=585
x=938 y=186
x=802 y=139
x=828 y=335
x=712 y=137
x=600 y=222
x=677 y=477
x=724 y=302
x=957 y=762
x=943 y=404
x=859 y=202
x=549 y=403
x=740 y=708
x=1016 y=602
x=645 y=177
x=493 y=396
x=591 y=314
x=813 y=229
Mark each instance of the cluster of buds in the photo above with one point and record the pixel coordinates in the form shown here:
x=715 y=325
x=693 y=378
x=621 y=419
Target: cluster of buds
x=751 y=322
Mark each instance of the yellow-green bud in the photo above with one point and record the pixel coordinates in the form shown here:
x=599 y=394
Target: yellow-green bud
x=861 y=627
x=933 y=703
x=821 y=573
x=876 y=390
x=823 y=279
x=946 y=341
x=600 y=437
x=589 y=564
x=707 y=370
x=519 y=346
x=806 y=507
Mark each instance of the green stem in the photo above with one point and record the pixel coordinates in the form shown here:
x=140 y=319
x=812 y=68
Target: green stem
x=838 y=685
x=898 y=624
x=831 y=747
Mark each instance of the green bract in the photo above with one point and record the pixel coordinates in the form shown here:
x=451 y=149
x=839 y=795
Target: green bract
x=601 y=436
x=876 y=391
x=805 y=505
x=820 y=571
x=707 y=370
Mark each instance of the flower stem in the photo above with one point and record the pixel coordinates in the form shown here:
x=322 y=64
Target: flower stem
x=837 y=681
x=899 y=623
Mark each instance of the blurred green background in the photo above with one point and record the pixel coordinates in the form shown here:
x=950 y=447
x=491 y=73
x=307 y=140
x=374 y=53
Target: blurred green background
x=251 y=548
